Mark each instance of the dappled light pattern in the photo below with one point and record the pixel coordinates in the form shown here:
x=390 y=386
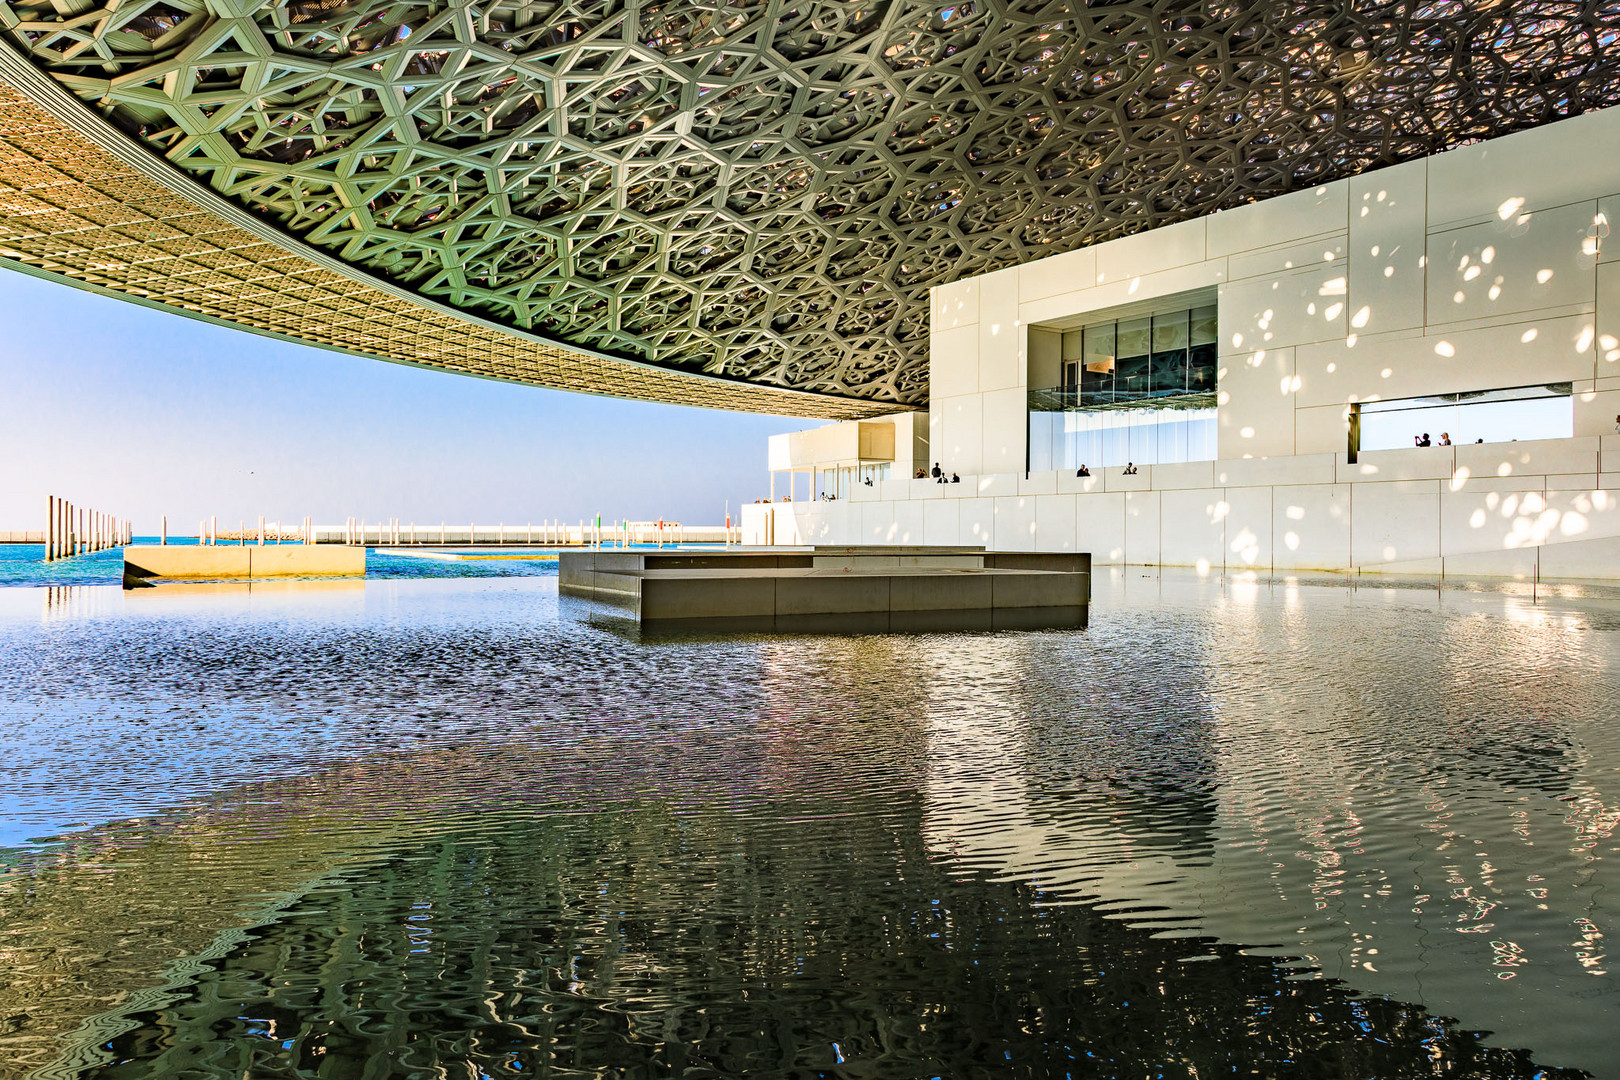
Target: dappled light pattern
x=767 y=192
x=450 y=826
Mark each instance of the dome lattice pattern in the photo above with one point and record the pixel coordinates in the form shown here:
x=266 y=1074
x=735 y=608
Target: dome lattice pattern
x=763 y=189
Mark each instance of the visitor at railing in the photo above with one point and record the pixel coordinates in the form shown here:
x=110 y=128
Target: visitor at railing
x=1421 y=440
x=935 y=473
x=922 y=473
x=1082 y=471
x=955 y=479
x=1130 y=468
x=1445 y=438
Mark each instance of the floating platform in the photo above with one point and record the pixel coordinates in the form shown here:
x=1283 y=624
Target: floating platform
x=867 y=588
x=228 y=562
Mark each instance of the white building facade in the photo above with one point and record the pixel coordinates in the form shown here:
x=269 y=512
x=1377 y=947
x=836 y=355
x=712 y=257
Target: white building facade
x=1438 y=288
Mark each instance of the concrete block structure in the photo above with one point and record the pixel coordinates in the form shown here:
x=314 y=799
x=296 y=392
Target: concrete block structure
x=226 y=562
x=877 y=587
x=1474 y=280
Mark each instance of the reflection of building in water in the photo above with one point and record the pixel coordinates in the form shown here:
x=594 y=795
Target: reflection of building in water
x=815 y=937
x=1431 y=838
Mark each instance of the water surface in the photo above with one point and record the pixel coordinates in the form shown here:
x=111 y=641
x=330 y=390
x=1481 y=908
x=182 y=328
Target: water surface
x=426 y=827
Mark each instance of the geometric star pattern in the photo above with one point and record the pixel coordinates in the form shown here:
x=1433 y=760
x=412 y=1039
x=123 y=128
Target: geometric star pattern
x=70 y=210
x=765 y=190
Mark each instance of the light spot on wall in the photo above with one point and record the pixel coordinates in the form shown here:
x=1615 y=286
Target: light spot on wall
x=1544 y=275
x=995 y=328
x=1332 y=287
x=1488 y=255
x=1329 y=256
x=1359 y=319
x=1463 y=265
x=1382 y=195
x=1445 y=348
x=1459 y=479
x=1458 y=297
x=1310 y=309
x=1473 y=272
x=1291 y=541
x=1509 y=208
x=1476 y=520
x=1364 y=211
x=1237 y=341
x=1331 y=368
x=1389 y=271
x=1386 y=373
x=1495 y=290
x=1257 y=358
x=1528 y=336
x=1332 y=311
x=1247 y=433
x=1584 y=340
x=1295 y=513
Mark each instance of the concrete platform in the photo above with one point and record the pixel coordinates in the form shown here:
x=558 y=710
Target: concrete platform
x=887 y=588
x=148 y=562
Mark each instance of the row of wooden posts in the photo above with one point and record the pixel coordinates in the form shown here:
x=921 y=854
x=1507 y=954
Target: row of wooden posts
x=72 y=530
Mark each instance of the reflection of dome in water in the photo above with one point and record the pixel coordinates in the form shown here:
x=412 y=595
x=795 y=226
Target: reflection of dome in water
x=759 y=195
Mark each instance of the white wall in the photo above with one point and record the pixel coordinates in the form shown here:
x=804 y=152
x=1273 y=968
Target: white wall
x=1514 y=509
x=1468 y=270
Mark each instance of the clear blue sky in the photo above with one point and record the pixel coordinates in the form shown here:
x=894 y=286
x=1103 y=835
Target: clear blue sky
x=141 y=413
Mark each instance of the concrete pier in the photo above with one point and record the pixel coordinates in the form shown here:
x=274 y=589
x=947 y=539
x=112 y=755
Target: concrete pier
x=146 y=562
x=911 y=588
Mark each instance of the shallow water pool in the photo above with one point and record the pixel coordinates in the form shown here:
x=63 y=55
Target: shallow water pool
x=460 y=827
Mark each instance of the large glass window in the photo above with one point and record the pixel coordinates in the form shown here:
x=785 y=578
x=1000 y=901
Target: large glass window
x=1522 y=412
x=1135 y=390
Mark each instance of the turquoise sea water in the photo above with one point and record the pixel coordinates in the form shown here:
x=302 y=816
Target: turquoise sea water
x=25 y=565
x=458 y=827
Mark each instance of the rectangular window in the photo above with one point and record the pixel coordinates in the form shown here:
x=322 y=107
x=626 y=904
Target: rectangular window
x=1136 y=390
x=1520 y=412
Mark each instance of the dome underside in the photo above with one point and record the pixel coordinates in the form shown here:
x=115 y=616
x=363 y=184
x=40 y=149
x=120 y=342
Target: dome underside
x=765 y=191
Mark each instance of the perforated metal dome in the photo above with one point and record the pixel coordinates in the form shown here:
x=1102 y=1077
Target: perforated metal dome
x=765 y=190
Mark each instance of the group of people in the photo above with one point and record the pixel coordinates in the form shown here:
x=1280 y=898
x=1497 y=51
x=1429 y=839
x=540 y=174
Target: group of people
x=939 y=475
x=1445 y=438
x=1129 y=470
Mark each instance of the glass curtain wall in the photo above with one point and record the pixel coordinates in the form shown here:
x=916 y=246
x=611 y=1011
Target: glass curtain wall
x=1136 y=390
x=840 y=481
